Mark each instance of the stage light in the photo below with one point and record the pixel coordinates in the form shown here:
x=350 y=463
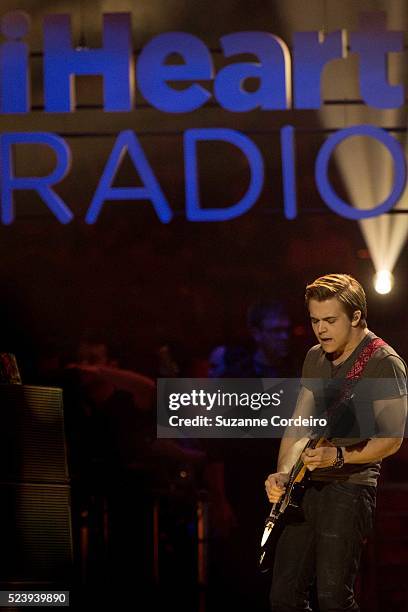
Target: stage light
x=367 y=168
x=383 y=281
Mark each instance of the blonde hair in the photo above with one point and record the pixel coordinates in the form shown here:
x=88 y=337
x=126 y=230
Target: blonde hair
x=343 y=287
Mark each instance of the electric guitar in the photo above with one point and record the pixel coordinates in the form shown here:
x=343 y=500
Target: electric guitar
x=287 y=508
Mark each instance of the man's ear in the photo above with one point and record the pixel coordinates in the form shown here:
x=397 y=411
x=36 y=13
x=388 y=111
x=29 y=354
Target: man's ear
x=356 y=318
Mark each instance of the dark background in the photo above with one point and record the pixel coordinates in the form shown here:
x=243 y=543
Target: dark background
x=141 y=283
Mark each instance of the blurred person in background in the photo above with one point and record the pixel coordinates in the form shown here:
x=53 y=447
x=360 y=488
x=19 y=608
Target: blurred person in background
x=270 y=327
x=241 y=464
x=110 y=433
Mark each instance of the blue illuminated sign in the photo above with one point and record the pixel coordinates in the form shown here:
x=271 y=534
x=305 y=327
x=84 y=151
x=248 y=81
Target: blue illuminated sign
x=127 y=142
x=154 y=77
x=249 y=149
x=326 y=190
x=41 y=184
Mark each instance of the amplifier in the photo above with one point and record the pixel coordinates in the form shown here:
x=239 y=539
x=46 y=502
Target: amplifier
x=35 y=508
x=32 y=440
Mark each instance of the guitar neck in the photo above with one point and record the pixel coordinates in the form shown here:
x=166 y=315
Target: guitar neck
x=298 y=470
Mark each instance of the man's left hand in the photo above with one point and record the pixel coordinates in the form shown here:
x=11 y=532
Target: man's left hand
x=321 y=457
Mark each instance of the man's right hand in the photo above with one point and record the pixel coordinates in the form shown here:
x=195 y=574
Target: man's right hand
x=275 y=486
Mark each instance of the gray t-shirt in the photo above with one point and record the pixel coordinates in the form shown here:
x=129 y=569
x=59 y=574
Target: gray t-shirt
x=384 y=364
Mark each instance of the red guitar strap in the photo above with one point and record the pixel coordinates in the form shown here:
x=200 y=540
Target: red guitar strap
x=356 y=372
x=359 y=365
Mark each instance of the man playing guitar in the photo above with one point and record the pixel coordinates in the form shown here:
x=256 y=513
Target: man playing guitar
x=339 y=500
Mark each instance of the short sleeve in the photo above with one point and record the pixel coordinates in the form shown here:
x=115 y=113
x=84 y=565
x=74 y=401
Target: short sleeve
x=390 y=378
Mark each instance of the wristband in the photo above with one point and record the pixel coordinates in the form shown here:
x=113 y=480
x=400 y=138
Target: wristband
x=339 y=460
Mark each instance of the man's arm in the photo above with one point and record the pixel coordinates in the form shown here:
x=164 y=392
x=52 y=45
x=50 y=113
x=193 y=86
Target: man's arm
x=141 y=387
x=291 y=446
x=368 y=451
x=390 y=416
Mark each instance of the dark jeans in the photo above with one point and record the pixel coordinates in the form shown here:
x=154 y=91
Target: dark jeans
x=325 y=548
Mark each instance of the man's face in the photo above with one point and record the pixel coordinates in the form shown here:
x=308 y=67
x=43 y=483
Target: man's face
x=92 y=354
x=331 y=324
x=273 y=336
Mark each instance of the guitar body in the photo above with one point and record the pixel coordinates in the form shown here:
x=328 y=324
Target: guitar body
x=276 y=523
x=267 y=552
x=286 y=510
